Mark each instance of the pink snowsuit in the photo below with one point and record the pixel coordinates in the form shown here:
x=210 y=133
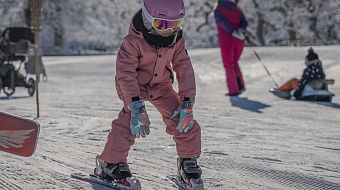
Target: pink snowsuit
x=229 y=18
x=145 y=71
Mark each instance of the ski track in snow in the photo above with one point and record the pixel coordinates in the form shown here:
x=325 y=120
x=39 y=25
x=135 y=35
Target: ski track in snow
x=256 y=141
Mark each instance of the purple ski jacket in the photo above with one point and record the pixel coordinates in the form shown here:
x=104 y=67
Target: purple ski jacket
x=229 y=16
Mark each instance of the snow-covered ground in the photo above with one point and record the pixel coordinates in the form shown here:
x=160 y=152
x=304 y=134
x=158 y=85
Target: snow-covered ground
x=256 y=141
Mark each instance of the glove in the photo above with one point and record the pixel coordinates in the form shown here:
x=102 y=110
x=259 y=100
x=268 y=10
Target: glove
x=139 y=124
x=186 y=119
x=239 y=34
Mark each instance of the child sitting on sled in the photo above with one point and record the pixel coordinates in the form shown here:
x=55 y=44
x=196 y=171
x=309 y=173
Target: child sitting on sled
x=312 y=75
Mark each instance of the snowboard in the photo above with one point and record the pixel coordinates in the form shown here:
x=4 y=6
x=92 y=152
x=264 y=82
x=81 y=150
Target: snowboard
x=18 y=135
x=181 y=185
x=107 y=183
x=178 y=182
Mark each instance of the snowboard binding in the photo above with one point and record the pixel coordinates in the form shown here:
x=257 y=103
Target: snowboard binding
x=117 y=174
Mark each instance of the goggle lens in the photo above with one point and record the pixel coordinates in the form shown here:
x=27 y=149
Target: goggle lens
x=161 y=24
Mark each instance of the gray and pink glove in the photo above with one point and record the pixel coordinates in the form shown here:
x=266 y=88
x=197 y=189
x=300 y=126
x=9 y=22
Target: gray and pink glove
x=139 y=124
x=186 y=118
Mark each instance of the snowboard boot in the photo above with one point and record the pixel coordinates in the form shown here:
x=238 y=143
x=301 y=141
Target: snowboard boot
x=190 y=173
x=116 y=173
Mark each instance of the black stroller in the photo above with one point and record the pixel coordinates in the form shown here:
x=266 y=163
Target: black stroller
x=16 y=46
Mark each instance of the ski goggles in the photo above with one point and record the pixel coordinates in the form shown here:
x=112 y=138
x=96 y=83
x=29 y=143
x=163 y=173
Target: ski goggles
x=165 y=25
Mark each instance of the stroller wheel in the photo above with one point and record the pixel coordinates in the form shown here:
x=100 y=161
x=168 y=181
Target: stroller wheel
x=9 y=91
x=9 y=81
x=0 y=84
x=8 y=84
x=31 y=87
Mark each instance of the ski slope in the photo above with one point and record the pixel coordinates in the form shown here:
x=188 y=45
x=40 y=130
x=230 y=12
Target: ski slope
x=256 y=141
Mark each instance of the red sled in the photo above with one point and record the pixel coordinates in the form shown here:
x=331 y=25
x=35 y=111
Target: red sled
x=18 y=135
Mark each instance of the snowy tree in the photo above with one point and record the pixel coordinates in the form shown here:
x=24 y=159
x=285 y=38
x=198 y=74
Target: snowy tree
x=84 y=26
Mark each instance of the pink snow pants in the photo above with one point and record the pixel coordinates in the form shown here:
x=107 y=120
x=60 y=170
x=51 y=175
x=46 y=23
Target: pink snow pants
x=231 y=50
x=166 y=100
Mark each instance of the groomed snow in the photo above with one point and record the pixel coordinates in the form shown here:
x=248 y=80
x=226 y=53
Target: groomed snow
x=256 y=141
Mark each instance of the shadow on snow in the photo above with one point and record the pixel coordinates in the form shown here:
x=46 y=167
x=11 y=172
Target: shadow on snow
x=246 y=104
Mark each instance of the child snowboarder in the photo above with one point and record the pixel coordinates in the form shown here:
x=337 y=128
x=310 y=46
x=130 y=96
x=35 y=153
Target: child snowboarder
x=149 y=54
x=313 y=72
x=231 y=27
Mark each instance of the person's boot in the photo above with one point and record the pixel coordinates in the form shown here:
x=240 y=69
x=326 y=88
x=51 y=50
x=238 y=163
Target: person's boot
x=117 y=173
x=190 y=173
